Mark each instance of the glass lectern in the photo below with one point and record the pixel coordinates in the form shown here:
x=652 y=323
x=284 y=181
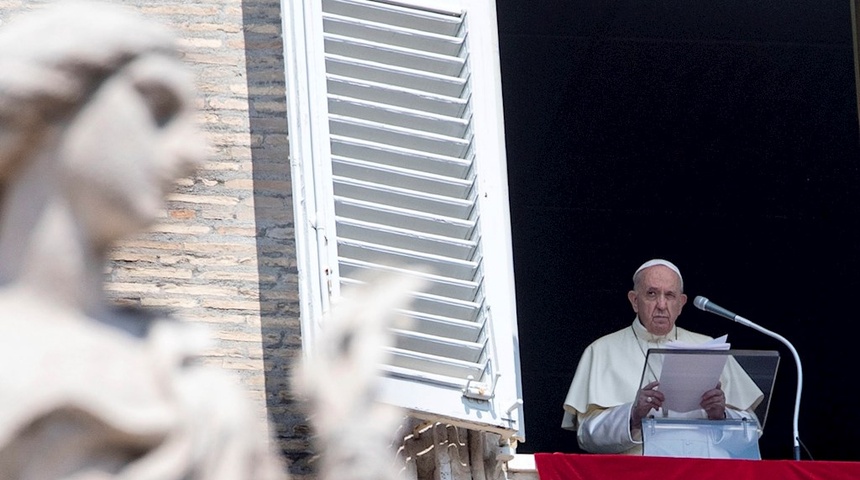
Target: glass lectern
x=681 y=428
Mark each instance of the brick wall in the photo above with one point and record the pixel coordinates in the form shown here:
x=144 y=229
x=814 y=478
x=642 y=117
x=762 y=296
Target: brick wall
x=223 y=253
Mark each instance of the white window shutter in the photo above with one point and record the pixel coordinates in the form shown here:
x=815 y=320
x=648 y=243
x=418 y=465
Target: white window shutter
x=398 y=160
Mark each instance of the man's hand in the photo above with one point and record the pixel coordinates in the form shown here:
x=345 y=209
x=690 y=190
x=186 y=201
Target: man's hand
x=714 y=403
x=648 y=398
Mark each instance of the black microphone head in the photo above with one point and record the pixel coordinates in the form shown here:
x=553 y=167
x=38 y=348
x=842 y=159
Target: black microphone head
x=700 y=302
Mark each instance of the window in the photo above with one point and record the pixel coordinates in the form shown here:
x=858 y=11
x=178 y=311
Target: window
x=398 y=163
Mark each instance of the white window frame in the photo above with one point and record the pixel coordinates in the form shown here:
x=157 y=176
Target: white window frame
x=310 y=160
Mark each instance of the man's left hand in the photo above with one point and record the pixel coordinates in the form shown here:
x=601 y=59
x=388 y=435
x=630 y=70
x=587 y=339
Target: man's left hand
x=714 y=403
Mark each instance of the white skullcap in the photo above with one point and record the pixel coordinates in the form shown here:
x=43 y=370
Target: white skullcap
x=659 y=261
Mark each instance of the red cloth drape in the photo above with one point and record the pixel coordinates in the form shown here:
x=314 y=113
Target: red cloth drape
x=563 y=466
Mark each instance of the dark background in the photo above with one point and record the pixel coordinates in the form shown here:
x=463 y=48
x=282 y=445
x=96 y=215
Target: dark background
x=722 y=136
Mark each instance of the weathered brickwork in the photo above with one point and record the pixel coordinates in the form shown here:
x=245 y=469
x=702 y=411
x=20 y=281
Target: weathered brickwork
x=223 y=253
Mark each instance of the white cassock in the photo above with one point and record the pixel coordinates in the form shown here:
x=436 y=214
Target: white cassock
x=603 y=389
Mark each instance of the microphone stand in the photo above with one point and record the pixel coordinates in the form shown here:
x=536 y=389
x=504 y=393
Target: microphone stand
x=744 y=321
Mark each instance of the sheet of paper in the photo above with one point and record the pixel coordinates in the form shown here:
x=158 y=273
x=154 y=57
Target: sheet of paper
x=718 y=343
x=684 y=378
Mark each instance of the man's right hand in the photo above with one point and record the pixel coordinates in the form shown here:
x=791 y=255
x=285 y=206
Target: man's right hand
x=648 y=398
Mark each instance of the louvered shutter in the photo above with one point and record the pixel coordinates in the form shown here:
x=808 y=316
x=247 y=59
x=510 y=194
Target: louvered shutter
x=398 y=165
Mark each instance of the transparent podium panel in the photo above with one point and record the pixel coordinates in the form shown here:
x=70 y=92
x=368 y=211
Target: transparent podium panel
x=681 y=428
x=668 y=437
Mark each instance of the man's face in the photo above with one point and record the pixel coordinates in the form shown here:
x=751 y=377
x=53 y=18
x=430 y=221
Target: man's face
x=658 y=299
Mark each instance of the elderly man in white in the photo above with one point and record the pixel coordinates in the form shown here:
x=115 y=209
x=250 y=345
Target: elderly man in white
x=605 y=404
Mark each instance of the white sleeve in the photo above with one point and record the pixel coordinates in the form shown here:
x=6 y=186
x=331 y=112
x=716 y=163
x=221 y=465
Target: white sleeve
x=743 y=415
x=607 y=430
x=733 y=414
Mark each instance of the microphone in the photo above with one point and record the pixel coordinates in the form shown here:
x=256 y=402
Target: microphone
x=703 y=303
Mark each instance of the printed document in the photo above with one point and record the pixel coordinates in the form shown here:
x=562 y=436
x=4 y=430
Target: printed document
x=685 y=377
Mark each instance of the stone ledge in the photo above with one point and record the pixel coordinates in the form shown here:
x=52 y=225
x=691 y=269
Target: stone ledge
x=522 y=467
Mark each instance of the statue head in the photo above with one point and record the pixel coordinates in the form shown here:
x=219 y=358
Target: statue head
x=99 y=102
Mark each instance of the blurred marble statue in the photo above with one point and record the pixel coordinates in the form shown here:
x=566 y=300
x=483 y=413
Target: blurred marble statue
x=354 y=431
x=95 y=126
